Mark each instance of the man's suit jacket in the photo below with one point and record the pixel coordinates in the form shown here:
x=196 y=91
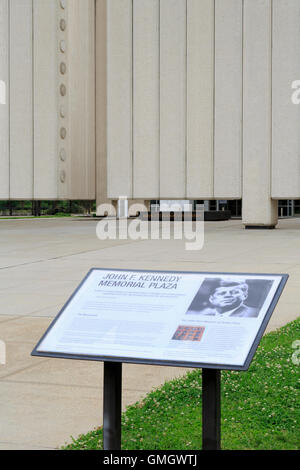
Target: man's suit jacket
x=242 y=311
x=245 y=311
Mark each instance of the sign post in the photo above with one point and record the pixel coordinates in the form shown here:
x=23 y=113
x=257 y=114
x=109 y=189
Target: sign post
x=212 y=321
x=112 y=405
x=211 y=409
x=112 y=396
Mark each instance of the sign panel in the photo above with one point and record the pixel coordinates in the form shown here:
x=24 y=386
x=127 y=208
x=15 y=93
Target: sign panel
x=190 y=319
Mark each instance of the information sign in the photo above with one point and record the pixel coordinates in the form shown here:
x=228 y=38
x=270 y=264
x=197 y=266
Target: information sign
x=188 y=319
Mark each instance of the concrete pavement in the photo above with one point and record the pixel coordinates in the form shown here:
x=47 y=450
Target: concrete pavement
x=45 y=401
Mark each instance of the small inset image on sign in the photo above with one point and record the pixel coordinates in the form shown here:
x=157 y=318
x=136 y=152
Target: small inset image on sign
x=189 y=333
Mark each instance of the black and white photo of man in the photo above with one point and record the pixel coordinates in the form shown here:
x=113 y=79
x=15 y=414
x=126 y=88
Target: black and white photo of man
x=229 y=298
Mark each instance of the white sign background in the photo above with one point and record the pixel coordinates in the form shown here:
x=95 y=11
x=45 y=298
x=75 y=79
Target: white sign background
x=145 y=315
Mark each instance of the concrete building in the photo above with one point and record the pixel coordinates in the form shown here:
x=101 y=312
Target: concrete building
x=151 y=99
x=47 y=127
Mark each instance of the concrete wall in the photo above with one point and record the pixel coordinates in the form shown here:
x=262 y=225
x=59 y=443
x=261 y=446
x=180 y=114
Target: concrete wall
x=47 y=126
x=285 y=115
x=199 y=103
x=193 y=100
x=258 y=209
x=4 y=108
x=175 y=94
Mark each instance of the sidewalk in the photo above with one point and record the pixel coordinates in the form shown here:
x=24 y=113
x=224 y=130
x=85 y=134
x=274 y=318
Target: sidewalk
x=45 y=401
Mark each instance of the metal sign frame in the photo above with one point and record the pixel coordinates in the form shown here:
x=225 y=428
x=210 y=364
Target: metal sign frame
x=172 y=363
x=211 y=373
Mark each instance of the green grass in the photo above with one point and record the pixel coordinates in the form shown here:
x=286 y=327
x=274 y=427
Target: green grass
x=260 y=407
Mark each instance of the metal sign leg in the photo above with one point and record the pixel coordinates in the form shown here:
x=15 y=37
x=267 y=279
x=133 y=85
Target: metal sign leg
x=112 y=398
x=211 y=409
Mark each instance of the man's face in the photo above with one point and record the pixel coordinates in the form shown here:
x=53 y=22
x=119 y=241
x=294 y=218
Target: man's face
x=228 y=296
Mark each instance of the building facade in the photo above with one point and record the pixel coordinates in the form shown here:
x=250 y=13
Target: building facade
x=151 y=99
x=47 y=126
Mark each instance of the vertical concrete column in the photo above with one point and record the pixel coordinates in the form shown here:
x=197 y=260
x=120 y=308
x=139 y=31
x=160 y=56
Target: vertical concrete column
x=101 y=104
x=147 y=205
x=259 y=211
x=104 y=205
x=80 y=51
x=228 y=99
x=46 y=52
x=286 y=114
x=64 y=28
x=200 y=66
x=173 y=41
x=21 y=102
x=146 y=107
x=119 y=98
x=137 y=205
x=102 y=201
x=4 y=99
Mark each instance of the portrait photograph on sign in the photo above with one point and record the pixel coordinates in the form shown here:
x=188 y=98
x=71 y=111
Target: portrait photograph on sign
x=235 y=297
x=162 y=317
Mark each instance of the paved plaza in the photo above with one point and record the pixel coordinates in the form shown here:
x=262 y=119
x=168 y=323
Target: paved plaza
x=45 y=401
